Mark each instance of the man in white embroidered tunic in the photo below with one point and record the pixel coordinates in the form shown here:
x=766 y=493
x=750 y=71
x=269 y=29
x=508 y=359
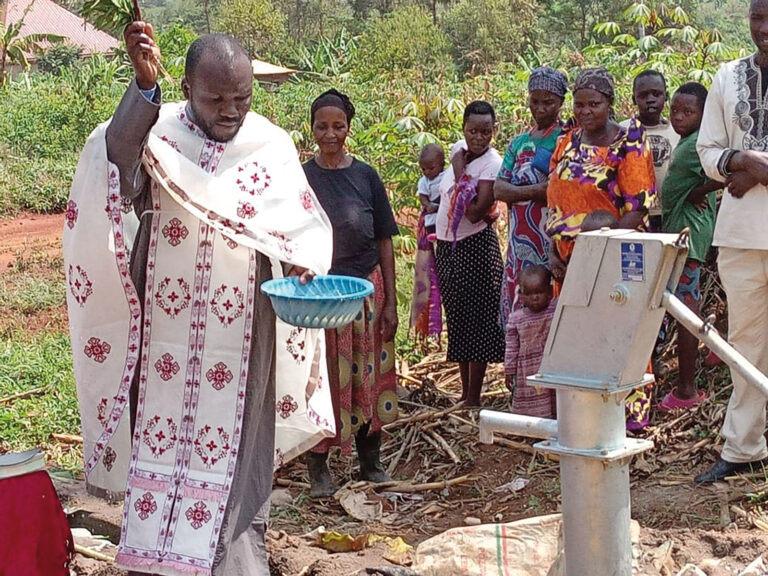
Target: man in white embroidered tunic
x=178 y=321
x=733 y=147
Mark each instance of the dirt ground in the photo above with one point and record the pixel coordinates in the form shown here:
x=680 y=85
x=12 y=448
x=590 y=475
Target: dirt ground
x=717 y=527
x=30 y=235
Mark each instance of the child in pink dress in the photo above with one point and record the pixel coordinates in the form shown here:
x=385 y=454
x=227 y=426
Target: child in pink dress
x=527 y=332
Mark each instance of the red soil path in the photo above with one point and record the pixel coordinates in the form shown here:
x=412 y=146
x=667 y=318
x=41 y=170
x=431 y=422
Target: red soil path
x=30 y=234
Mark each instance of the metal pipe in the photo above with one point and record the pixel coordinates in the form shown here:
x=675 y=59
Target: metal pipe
x=590 y=421
x=709 y=335
x=596 y=506
x=596 y=517
x=491 y=421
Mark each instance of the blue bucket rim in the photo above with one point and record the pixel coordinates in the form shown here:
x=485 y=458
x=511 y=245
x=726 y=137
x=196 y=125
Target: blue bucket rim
x=366 y=288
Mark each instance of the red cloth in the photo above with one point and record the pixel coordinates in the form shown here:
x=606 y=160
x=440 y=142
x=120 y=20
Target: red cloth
x=35 y=539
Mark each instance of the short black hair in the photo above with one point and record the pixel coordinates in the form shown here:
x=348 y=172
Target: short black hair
x=480 y=108
x=534 y=270
x=694 y=89
x=599 y=219
x=649 y=73
x=222 y=47
x=432 y=150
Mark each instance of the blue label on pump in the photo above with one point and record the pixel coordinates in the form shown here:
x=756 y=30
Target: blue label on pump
x=632 y=262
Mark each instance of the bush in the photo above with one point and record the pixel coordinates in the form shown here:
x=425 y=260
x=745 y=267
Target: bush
x=45 y=117
x=487 y=32
x=58 y=57
x=402 y=41
x=257 y=24
x=174 y=43
x=34 y=184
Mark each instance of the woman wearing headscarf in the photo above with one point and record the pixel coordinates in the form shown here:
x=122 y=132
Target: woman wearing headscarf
x=360 y=355
x=522 y=181
x=599 y=165
x=522 y=185
x=469 y=265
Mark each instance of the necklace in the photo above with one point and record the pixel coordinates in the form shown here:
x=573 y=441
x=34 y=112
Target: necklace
x=546 y=132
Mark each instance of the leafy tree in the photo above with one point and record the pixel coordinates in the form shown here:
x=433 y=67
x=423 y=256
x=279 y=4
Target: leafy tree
x=315 y=19
x=729 y=17
x=174 y=43
x=258 y=24
x=328 y=56
x=58 y=57
x=660 y=37
x=194 y=15
x=486 y=32
x=573 y=20
x=405 y=39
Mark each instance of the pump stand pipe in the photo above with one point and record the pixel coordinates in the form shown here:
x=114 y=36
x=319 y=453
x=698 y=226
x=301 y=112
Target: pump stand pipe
x=528 y=426
x=709 y=335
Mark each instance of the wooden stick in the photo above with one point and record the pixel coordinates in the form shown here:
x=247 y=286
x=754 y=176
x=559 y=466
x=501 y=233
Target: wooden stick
x=758 y=523
x=399 y=454
x=68 y=438
x=82 y=550
x=136 y=11
x=445 y=446
x=668 y=459
x=292 y=484
x=524 y=447
x=428 y=486
x=428 y=362
x=461 y=420
x=163 y=72
x=514 y=444
x=431 y=441
x=423 y=416
x=25 y=394
x=409 y=378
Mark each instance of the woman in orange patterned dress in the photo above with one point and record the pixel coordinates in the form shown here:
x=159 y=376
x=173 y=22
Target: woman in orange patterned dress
x=596 y=166
x=599 y=165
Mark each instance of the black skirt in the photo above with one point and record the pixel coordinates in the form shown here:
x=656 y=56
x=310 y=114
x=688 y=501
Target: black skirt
x=470 y=277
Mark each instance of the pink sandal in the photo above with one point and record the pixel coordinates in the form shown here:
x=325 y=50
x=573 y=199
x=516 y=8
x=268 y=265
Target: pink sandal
x=672 y=402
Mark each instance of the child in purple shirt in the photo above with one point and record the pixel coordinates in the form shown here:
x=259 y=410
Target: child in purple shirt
x=527 y=332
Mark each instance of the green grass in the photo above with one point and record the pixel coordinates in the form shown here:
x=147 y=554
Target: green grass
x=30 y=294
x=34 y=184
x=26 y=363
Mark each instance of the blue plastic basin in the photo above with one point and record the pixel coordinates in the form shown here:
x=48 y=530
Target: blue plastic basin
x=326 y=302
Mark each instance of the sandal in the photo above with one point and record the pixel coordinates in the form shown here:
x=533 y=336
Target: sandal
x=672 y=402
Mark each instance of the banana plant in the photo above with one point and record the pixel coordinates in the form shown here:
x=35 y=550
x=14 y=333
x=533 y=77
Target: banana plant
x=14 y=47
x=667 y=42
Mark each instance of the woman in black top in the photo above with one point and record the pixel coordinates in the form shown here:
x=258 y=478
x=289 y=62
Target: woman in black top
x=361 y=362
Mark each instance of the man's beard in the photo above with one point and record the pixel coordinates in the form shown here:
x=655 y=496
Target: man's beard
x=209 y=128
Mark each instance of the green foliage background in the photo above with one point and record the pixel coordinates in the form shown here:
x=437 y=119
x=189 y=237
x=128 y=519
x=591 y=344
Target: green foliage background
x=409 y=69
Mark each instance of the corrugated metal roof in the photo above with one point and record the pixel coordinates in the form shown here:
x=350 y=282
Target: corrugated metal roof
x=264 y=68
x=47 y=17
x=266 y=72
